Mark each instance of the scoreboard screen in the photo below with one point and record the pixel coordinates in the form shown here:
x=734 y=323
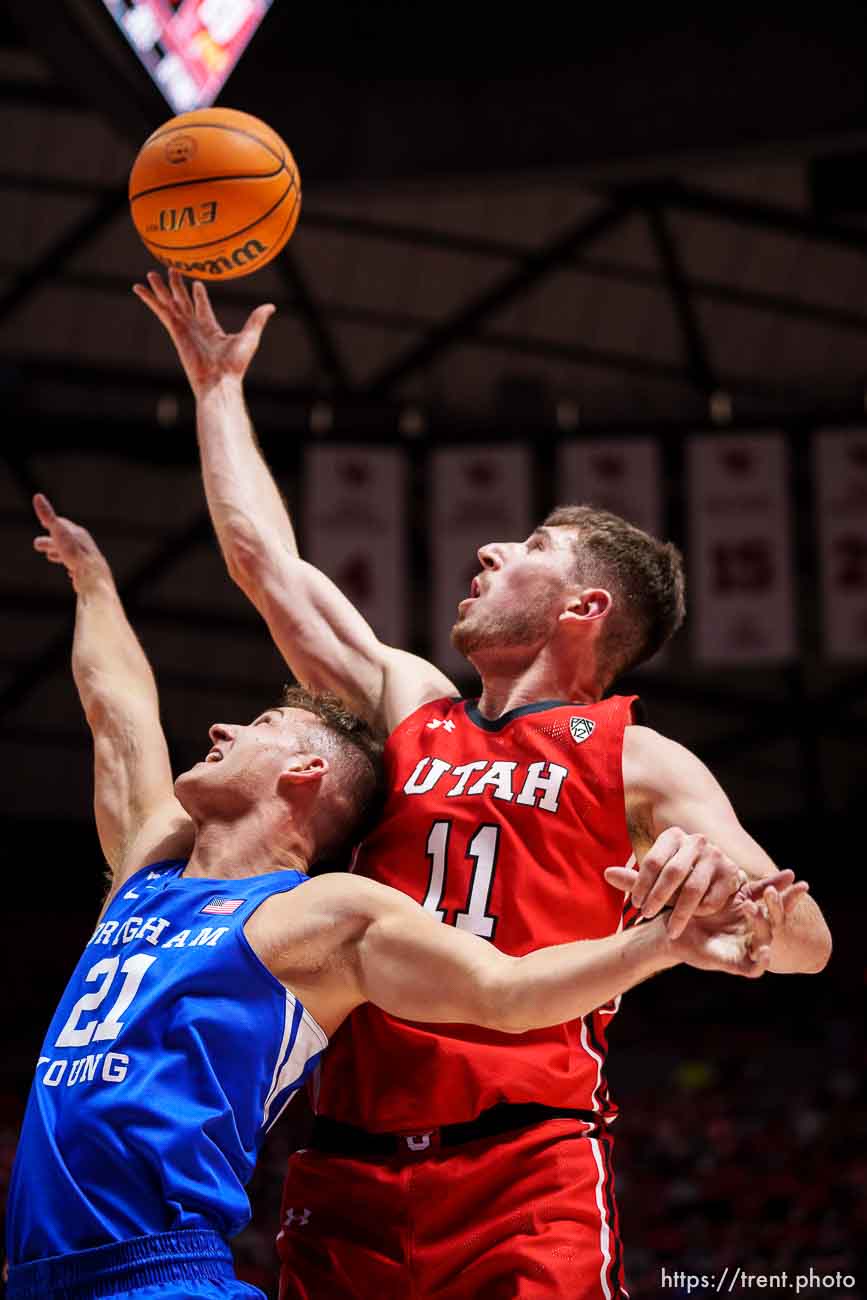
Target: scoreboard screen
x=189 y=47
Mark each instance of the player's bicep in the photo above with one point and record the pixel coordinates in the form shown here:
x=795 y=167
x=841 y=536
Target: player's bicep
x=411 y=965
x=680 y=790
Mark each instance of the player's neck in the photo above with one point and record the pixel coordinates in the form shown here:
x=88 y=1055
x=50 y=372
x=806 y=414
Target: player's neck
x=247 y=846
x=507 y=686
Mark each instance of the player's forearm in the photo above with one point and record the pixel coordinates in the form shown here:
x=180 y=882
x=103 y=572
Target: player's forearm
x=553 y=985
x=804 y=946
x=110 y=669
x=246 y=507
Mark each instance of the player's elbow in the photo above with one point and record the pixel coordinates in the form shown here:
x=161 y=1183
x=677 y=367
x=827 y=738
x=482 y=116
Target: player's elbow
x=819 y=952
x=809 y=956
x=246 y=552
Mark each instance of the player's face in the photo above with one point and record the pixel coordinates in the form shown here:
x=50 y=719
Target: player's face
x=245 y=761
x=517 y=597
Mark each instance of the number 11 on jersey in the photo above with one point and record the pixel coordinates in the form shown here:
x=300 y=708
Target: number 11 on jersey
x=482 y=852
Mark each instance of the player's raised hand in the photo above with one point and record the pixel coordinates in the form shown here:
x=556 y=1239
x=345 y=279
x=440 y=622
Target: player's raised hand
x=688 y=870
x=207 y=353
x=738 y=939
x=68 y=544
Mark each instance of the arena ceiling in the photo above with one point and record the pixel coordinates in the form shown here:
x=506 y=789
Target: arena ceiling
x=502 y=227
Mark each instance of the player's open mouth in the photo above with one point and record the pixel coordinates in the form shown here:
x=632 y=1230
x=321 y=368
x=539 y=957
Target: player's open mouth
x=214 y=756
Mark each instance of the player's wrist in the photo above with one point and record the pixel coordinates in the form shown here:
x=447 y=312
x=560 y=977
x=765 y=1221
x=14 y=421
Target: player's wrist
x=217 y=385
x=93 y=577
x=659 y=946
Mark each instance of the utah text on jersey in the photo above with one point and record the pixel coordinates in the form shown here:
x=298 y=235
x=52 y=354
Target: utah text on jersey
x=534 y=785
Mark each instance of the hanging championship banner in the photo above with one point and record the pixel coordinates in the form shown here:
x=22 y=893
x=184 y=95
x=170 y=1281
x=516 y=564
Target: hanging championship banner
x=617 y=474
x=355 y=511
x=622 y=475
x=740 y=551
x=480 y=494
x=840 y=476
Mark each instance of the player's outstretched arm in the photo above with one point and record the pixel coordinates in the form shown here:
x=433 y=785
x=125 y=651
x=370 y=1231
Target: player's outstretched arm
x=701 y=851
x=323 y=638
x=137 y=815
x=361 y=941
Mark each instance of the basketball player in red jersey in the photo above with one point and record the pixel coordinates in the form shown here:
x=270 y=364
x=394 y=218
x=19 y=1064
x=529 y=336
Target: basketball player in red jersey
x=461 y=1164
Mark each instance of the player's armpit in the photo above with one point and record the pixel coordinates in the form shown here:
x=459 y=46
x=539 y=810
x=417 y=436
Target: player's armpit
x=166 y=834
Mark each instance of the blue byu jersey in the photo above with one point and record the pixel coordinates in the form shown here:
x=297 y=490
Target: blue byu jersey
x=171 y=1054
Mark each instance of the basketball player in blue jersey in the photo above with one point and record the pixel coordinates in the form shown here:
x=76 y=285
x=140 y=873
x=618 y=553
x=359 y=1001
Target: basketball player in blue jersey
x=211 y=984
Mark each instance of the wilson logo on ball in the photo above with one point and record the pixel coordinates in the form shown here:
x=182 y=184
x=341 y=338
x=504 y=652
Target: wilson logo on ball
x=239 y=257
x=203 y=214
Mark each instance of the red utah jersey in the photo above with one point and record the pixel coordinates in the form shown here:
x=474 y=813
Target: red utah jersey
x=503 y=828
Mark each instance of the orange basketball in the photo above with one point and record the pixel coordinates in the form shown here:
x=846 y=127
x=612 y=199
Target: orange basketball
x=214 y=193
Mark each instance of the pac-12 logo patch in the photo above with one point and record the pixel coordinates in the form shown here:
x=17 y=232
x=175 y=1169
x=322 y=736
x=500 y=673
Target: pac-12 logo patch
x=581 y=729
x=223 y=906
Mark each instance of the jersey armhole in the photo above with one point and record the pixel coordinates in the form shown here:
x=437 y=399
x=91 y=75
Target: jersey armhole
x=269 y=977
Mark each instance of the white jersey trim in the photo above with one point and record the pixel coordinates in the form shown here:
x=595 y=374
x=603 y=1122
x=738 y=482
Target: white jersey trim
x=295 y=1051
x=604 y=1227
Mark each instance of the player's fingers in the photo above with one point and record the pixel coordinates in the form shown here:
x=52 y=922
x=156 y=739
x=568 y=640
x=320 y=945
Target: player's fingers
x=673 y=874
x=50 y=552
x=725 y=880
x=152 y=304
x=774 y=908
x=44 y=510
x=663 y=848
x=258 y=319
x=622 y=878
x=691 y=894
x=790 y=896
x=159 y=290
x=760 y=960
x=202 y=304
x=776 y=880
x=179 y=292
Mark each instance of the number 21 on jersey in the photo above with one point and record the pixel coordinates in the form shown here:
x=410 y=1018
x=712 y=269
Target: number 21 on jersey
x=482 y=852
x=133 y=969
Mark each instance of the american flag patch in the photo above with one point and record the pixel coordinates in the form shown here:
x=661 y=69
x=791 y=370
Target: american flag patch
x=223 y=906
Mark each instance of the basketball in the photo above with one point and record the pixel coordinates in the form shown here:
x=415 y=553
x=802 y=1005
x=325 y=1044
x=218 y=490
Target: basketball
x=214 y=193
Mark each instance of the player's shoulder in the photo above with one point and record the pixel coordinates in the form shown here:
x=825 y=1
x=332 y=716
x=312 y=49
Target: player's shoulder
x=332 y=897
x=410 y=683
x=435 y=708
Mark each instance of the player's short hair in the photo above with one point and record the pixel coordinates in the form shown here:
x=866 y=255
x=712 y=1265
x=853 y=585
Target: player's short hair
x=644 y=575
x=354 y=751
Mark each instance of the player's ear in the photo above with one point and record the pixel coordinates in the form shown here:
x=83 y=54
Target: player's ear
x=304 y=767
x=586 y=605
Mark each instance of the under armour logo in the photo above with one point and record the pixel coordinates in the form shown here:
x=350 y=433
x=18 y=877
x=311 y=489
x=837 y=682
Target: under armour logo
x=447 y=725
x=418 y=1142
x=301 y=1217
